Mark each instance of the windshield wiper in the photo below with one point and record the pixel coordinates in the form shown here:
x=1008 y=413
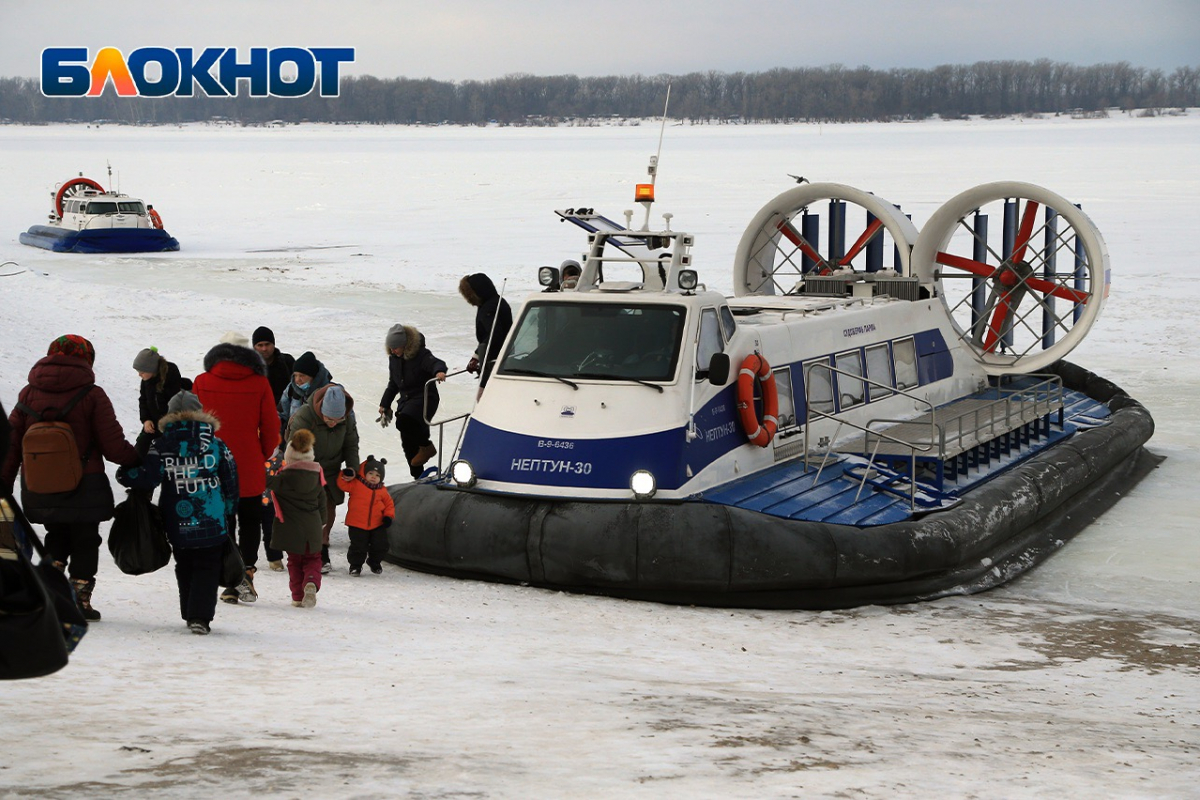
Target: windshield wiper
x=599 y=376
x=533 y=373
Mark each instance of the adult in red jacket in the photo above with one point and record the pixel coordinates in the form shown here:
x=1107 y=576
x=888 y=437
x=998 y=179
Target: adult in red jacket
x=72 y=519
x=234 y=389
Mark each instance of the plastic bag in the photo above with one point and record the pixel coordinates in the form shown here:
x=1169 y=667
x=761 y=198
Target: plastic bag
x=137 y=541
x=233 y=569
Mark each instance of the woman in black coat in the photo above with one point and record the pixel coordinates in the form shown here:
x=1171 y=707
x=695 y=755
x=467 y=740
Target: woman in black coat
x=410 y=367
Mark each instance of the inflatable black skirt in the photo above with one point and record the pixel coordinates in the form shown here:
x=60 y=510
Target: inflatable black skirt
x=705 y=554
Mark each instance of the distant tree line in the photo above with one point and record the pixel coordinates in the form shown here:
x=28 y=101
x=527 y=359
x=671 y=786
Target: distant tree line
x=817 y=94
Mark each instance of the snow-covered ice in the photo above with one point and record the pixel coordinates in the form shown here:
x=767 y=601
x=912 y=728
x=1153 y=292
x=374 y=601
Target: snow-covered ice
x=1082 y=678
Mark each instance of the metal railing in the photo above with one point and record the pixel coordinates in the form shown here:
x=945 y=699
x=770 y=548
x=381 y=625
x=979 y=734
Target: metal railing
x=810 y=413
x=441 y=424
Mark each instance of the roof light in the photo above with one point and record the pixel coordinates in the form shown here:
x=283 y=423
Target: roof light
x=548 y=276
x=688 y=279
x=643 y=193
x=643 y=484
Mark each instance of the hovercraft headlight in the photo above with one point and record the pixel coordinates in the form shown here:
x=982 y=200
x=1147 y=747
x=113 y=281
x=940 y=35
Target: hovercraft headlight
x=643 y=485
x=688 y=280
x=463 y=474
x=548 y=276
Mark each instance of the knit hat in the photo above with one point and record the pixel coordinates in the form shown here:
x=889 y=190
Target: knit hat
x=397 y=337
x=233 y=337
x=333 y=404
x=183 y=401
x=74 y=346
x=373 y=464
x=146 y=360
x=307 y=364
x=263 y=334
x=300 y=448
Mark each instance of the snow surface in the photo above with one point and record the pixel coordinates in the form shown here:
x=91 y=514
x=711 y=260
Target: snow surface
x=1082 y=678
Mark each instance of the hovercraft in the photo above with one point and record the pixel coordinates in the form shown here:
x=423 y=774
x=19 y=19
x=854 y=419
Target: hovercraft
x=883 y=422
x=84 y=218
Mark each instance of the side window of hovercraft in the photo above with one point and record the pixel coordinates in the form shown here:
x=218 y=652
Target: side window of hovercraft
x=818 y=382
x=710 y=342
x=849 y=378
x=905 y=353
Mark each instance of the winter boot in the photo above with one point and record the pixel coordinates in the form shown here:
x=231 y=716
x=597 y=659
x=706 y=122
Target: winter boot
x=376 y=567
x=310 y=595
x=426 y=452
x=83 y=598
x=245 y=590
x=199 y=627
x=276 y=566
x=229 y=595
x=326 y=567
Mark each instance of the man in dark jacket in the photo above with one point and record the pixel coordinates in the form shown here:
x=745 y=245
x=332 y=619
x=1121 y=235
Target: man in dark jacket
x=279 y=364
x=410 y=367
x=72 y=519
x=493 y=318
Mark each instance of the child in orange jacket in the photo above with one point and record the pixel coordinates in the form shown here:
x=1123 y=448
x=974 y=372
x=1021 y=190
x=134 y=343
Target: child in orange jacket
x=371 y=511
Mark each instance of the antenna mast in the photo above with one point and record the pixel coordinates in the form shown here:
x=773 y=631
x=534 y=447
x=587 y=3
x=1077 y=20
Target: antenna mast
x=652 y=170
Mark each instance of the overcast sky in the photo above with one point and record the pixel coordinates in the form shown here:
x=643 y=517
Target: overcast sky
x=481 y=39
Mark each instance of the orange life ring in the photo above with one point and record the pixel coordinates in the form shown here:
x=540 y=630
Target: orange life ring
x=755 y=367
x=155 y=219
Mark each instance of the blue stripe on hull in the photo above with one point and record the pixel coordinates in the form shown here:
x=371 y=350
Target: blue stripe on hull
x=499 y=455
x=109 y=240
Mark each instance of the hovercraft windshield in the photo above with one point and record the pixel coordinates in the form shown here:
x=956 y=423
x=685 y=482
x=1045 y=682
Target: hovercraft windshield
x=599 y=341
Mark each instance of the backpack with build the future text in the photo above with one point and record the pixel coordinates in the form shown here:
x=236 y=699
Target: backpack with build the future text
x=50 y=460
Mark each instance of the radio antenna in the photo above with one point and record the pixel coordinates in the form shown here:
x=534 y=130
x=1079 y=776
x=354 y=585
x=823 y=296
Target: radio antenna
x=645 y=192
x=661 y=130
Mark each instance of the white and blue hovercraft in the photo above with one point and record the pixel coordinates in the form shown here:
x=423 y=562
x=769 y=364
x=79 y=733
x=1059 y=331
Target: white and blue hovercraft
x=880 y=423
x=84 y=218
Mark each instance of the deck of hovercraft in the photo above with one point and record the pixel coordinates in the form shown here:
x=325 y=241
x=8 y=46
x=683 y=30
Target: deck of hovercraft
x=836 y=493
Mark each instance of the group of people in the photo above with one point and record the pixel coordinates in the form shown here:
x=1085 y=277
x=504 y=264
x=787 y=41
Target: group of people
x=259 y=449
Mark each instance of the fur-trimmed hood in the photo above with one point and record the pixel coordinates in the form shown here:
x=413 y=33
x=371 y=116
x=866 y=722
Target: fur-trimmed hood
x=190 y=416
x=235 y=354
x=414 y=342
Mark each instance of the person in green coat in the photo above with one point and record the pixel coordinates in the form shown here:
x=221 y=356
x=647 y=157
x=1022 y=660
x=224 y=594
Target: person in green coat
x=298 y=496
x=329 y=414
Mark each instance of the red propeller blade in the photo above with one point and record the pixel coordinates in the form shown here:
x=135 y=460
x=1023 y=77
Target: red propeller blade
x=795 y=238
x=1026 y=230
x=1040 y=284
x=866 y=237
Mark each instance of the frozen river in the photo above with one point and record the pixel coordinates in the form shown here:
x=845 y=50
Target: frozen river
x=1079 y=678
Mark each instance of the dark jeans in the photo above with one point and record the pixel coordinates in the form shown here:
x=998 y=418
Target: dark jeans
x=76 y=544
x=198 y=573
x=370 y=546
x=414 y=434
x=268 y=522
x=249 y=528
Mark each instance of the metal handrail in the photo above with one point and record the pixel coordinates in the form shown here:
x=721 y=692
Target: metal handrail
x=441 y=424
x=809 y=413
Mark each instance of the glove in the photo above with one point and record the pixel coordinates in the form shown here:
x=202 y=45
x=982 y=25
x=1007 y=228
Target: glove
x=473 y=366
x=385 y=418
x=348 y=473
x=387 y=522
